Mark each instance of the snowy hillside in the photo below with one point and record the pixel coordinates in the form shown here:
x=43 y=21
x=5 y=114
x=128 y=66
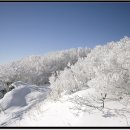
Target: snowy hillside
x=76 y=87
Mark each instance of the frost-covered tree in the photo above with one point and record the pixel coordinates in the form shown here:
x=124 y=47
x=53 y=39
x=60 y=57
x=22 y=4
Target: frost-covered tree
x=38 y=69
x=106 y=69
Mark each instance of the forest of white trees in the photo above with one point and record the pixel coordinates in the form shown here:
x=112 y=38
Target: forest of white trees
x=104 y=68
x=38 y=69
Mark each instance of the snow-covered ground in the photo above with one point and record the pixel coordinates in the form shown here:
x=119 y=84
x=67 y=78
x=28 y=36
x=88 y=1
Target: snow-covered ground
x=27 y=105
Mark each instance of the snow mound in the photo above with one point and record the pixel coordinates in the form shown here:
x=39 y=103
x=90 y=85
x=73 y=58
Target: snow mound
x=18 y=101
x=22 y=96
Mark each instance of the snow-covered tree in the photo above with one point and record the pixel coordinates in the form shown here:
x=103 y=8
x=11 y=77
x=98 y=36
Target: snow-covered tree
x=106 y=69
x=38 y=69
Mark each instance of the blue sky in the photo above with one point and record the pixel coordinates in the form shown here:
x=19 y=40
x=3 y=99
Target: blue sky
x=36 y=28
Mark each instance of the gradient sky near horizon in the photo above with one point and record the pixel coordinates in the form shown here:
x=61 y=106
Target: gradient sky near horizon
x=36 y=28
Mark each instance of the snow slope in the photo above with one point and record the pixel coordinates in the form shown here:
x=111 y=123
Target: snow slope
x=27 y=105
x=21 y=99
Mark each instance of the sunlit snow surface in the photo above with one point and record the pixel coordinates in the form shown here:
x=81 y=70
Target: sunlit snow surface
x=27 y=105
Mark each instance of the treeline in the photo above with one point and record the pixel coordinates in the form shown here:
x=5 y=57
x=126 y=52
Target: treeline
x=38 y=69
x=106 y=69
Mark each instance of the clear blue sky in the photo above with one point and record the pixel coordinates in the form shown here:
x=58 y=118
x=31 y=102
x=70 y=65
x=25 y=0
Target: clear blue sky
x=38 y=28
